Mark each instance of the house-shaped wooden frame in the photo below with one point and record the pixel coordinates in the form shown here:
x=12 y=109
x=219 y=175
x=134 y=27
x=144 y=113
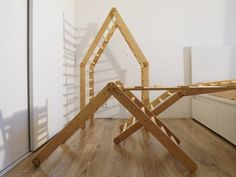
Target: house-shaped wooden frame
x=115 y=19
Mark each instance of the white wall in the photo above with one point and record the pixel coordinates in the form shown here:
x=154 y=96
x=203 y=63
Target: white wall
x=47 y=67
x=212 y=63
x=162 y=28
x=14 y=137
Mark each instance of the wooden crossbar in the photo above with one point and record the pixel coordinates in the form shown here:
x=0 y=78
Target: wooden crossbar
x=199 y=88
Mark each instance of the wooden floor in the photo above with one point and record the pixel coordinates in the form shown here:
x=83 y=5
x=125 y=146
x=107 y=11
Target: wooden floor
x=92 y=153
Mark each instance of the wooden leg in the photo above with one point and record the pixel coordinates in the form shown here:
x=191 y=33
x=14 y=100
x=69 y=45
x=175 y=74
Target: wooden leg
x=82 y=90
x=72 y=126
x=154 y=129
x=133 y=128
x=129 y=131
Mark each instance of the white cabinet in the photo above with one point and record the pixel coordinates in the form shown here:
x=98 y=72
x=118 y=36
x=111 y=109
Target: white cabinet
x=227 y=122
x=14 y=125
x=217 y=114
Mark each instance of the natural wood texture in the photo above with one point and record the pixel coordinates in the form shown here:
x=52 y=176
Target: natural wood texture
x=136 y=108
x=230 y=95
x=87 y=57
x=95 y=61
x=144 y=118
x=197 y=88
x=137 y=53
x=92 y=153
x=167 y=99
x=115 y=18
x=137 y=125
x=151 y=106
x=72 y=126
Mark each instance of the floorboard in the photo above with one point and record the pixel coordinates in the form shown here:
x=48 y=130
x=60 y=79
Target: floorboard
x=92 y=153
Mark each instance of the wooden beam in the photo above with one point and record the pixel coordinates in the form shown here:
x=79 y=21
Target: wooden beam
x=154 y=129
x=127 y=34
x=72 y=126
x=97 y=38
x=133 y=128
x=197 y=89
x=82 y=90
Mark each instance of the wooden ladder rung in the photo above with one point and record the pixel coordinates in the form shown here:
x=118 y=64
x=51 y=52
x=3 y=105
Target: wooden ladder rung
x=151 y=106
x=133 y=98
x=169 y=93
x=90 y=88
x=163 y=130
x=153 y=119
x=161 y=101
x=93 y=62
x=173 y=139
x=91 y=97
x=233 y=81
x=105 y=39
x=134 y=120
x=90 y=80
x=143 y=109
x=125 y=127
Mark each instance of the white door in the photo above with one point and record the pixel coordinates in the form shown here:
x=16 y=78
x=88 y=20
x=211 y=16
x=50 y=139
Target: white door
x=14 y=136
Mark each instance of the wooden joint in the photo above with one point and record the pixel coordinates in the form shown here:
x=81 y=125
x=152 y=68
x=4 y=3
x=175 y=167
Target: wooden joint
x=113 y=9
x=145 y=64
x=111 y=86
x=82 y=64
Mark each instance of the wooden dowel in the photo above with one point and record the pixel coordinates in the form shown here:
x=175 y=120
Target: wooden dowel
x=160 y=100
x=153 y=119
x=173 y=139
x=143 y=109
x=125 y=126
x=163 y=129
x=96 y=54
x=151 y=106
x=134 y=120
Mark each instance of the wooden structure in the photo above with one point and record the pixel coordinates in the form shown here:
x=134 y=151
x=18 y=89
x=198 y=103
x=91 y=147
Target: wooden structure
x=143 y=116
x=95 y=51
x=168 y=95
